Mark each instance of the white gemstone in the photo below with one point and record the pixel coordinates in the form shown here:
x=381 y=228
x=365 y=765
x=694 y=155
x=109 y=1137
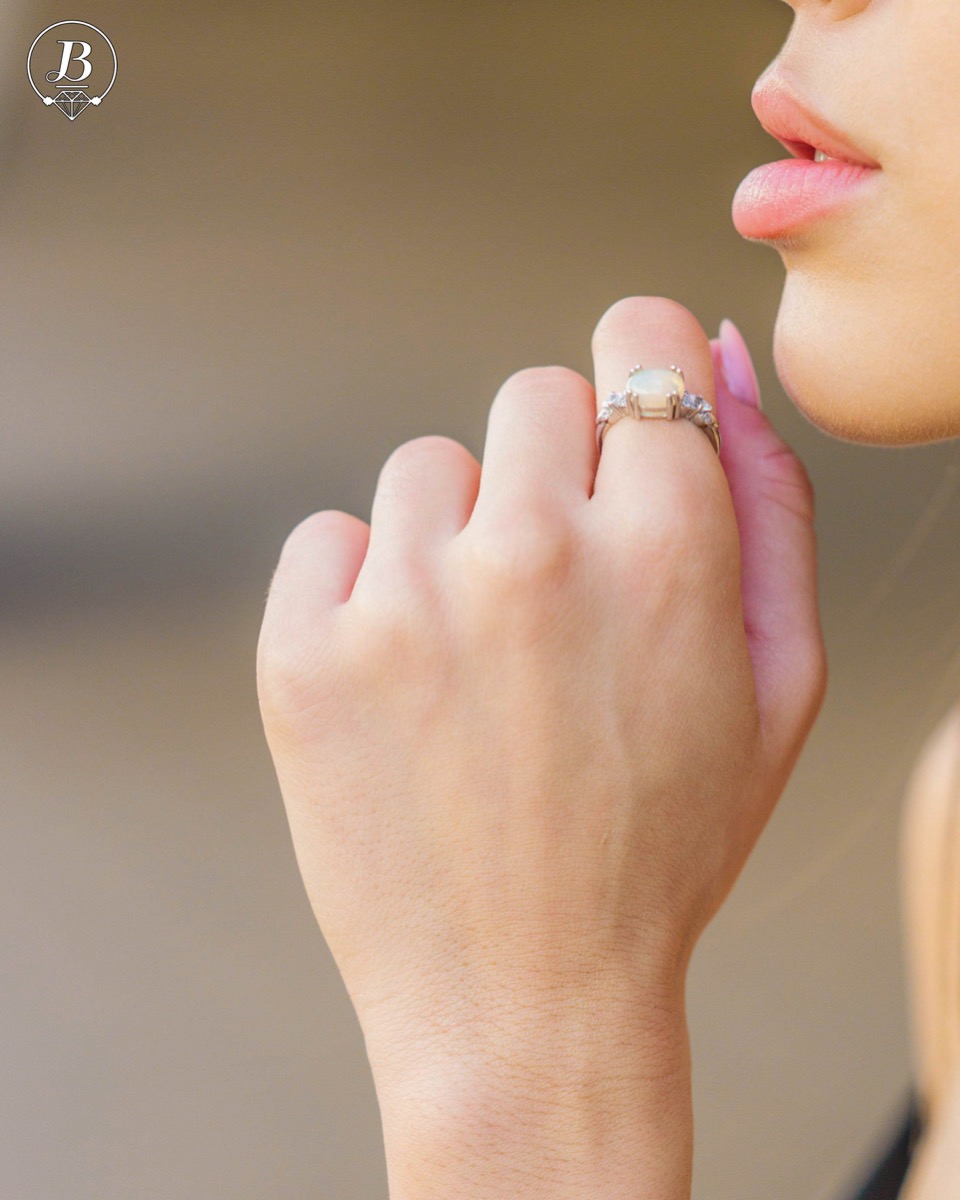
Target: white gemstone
x=655 y=387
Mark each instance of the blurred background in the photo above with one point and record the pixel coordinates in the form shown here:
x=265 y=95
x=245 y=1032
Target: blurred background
x=292 y=237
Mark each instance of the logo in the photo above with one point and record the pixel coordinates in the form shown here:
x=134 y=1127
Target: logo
x=72 y=65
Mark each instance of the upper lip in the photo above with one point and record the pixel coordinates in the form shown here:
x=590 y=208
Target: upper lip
x=797 y=127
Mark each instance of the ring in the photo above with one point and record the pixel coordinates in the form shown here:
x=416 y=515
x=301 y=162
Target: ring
x=658 y=392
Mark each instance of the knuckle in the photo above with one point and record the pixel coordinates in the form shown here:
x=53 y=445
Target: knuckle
x=284 y=655
x=669 y=533
x=806 y=673
x=814 y=674
x=675 y=527
x=541 y=381
x=385 y=646
x=402 y=472
x=290 y=671
x=430 y=445
x=658 y=313
x=537 y=390
x=674 y=547
x=788 y=481
x=366 y=649
x=530 y=552
x=318 y=526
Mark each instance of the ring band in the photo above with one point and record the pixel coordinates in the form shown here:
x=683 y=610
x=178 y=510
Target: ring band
x=657 y=392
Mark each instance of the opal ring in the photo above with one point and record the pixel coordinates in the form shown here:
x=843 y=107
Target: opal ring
x=658 y=392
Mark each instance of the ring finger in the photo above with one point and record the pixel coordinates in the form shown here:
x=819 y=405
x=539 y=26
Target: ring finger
x=644 y=462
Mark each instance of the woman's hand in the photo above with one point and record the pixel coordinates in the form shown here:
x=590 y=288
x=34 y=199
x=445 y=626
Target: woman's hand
x=528 y=726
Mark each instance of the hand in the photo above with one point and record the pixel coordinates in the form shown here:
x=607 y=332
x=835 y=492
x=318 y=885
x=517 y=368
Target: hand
x=529 y=723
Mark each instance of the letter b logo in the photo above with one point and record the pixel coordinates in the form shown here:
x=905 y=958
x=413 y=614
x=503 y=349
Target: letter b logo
x=72 y=65
x=68 y=55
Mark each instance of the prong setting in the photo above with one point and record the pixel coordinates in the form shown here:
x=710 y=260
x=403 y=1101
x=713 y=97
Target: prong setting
x=660 y=393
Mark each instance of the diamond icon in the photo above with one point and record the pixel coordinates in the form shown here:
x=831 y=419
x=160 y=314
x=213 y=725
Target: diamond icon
x=71 y=102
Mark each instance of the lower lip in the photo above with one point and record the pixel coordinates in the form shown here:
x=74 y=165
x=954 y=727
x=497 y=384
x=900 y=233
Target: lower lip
x=778 y=198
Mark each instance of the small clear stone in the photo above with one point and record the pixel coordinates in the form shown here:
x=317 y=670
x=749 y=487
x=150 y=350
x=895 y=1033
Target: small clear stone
x=655 y=387
x=606 y=412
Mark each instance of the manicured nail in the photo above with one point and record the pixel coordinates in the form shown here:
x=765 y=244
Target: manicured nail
x=738 y=365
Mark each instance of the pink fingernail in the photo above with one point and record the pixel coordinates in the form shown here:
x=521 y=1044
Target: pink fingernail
x=738 y=365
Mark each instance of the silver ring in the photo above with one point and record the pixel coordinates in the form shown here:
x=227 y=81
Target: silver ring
x=658 y=392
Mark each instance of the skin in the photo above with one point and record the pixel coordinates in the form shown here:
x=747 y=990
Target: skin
x=865 y=341
x=530 y=721
x=528 y=725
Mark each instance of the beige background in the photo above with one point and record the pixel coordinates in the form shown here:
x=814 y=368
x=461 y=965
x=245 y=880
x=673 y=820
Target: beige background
x=292 y=237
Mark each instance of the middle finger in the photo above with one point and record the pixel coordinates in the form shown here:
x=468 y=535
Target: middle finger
x=539 y=451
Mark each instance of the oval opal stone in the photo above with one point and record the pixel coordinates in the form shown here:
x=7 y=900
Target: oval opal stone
x=654 y=387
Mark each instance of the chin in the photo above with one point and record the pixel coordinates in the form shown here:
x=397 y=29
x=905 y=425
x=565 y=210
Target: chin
x=858 y=373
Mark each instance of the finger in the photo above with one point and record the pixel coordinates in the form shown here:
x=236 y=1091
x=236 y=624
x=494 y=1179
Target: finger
x=774 y=505
x=316 y=572
x=424 y=495
x=539 y=451
x=645 y=461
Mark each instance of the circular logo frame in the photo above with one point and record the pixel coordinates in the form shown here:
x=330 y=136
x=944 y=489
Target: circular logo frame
x=71 y=101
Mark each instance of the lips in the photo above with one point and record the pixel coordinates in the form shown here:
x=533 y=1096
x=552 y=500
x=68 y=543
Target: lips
x=778 y=198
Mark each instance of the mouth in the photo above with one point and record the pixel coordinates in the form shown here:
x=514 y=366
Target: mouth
x=824 y=171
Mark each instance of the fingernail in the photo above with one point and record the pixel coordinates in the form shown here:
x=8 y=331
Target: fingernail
x=738 y=365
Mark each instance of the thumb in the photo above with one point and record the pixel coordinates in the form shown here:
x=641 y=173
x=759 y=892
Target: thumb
x=774 y=504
